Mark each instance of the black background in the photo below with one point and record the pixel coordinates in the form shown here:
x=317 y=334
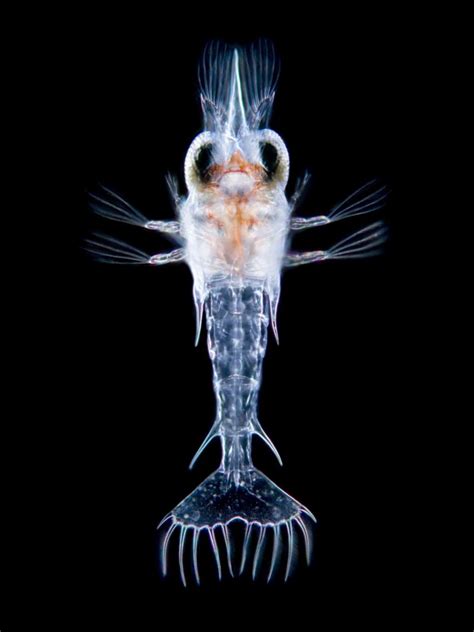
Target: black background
x=125 y=399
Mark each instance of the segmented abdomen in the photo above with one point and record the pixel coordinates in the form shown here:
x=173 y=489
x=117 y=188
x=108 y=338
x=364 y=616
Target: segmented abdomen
x=237 y=324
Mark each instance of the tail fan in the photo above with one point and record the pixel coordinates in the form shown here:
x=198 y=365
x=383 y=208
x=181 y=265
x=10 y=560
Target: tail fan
x=221 y=499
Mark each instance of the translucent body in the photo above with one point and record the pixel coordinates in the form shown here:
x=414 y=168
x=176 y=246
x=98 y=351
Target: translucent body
x=237 y=324
x=233 y=231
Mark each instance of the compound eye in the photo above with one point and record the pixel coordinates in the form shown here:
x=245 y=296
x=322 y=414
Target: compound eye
x=199 y=160
x=203 y=162
x=270 y=158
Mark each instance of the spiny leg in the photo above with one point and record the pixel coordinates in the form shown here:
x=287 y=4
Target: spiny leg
x=299 y=189
x=368 y=198
x=110 y=250
x=372 y=200
x=114 y=207
x=363 y=243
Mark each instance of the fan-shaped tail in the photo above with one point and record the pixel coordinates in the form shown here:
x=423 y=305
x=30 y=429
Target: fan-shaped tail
x=252 y=498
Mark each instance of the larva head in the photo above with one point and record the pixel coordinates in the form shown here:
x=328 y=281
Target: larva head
x=235 y=219
x=234 y=157
x=256 y=161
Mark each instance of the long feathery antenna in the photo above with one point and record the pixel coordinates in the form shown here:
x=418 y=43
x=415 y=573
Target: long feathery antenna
x=243 y=77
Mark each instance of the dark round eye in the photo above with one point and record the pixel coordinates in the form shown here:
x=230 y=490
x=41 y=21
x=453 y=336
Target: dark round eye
x=270 y=158
x=203 y=161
